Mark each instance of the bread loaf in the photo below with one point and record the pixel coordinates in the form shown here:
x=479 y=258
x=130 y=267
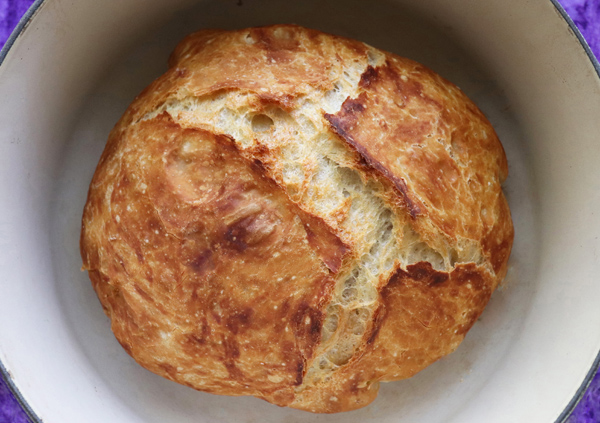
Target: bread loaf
x=296 y=216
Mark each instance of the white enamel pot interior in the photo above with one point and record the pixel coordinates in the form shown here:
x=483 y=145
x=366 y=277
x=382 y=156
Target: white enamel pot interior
x=69 y=74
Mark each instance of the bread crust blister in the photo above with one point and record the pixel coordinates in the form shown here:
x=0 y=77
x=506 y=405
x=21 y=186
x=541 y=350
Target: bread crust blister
x=296 y=216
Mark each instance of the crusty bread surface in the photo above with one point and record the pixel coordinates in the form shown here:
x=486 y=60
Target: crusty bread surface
x=296 y=216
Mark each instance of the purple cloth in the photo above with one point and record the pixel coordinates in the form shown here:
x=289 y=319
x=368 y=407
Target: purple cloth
x=10 y=13
x=585 y=14
x=10 y=411
x=588 y=410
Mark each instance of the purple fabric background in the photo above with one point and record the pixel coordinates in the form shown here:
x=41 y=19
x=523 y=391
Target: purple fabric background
x=585 y=13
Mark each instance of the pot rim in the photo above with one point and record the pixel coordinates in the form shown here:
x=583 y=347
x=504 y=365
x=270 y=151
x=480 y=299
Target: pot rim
x=30 y=15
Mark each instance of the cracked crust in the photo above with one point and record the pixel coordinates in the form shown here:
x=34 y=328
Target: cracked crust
x=295 y=216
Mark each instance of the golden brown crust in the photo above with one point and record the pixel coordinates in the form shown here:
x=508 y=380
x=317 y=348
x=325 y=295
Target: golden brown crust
x=439 y=151
x=295 y=216
x=185 y=210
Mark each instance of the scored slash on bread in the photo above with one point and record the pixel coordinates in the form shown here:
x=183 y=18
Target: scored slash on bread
x=296 y=216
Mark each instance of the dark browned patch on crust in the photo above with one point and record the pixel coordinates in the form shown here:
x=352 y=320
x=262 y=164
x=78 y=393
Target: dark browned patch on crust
x=468 y=273
x=437 y=278
x=138 y=252
x=232 y=353
x=328 y=246
x=149 y=275
x=195 y=339
x=223 y=140
x=353 y=105
x=378 y=318
x=119 y=263
x=216 y=317
x=168 y=369
x=299 y=373
x=410 y=87
x=234 y=372
x=307 y=323
x=354 y=386
x=236 y=234
x=256 y=164
x=203 y=261
x=368 y=76
x=288 y=349
x=239 y=320
x=143 y=293
x=342 y=124
x=201 y=337
x=422 y=272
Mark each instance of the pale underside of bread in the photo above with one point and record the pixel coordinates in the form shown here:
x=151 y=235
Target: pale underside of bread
x=296 y=216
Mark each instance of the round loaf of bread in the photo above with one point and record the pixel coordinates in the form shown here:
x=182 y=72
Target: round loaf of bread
x=296 y=216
